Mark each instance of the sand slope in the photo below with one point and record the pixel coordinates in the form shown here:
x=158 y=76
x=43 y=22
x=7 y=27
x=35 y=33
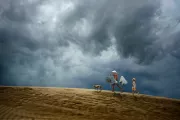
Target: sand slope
x=33 y=103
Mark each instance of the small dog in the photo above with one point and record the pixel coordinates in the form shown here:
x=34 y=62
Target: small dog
x=97 y=87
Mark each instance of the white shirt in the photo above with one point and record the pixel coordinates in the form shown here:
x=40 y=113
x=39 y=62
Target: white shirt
x=134 y=84
x=113 y=80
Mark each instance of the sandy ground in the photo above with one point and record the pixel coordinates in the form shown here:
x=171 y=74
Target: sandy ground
x=33 y=103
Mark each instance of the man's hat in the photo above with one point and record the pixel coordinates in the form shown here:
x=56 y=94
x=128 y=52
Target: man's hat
x=114 y=71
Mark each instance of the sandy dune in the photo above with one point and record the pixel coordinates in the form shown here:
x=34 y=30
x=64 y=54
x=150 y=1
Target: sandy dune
x=33 y=103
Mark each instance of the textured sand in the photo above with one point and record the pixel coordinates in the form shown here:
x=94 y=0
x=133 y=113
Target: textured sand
x=33 y=103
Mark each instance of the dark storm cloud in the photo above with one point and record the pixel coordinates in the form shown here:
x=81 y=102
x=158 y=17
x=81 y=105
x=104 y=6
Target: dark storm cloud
x=175 y=49
x=100 y=16
x=135 y=36
x=21 y=11
x=18 y=51
x=133 y=29
x=43 y=41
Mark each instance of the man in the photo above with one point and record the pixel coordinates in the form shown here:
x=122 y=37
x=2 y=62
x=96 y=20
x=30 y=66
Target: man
x=115 y=81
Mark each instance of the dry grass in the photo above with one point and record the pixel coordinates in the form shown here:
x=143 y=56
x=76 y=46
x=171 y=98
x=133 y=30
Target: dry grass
x=82 y=104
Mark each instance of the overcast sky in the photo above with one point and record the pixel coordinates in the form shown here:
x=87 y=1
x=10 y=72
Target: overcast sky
x=77 y=43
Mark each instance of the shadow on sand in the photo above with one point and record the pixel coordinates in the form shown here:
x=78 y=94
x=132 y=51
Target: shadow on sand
x=118 y=95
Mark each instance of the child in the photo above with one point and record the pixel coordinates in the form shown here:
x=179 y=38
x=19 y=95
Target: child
x=134 y=86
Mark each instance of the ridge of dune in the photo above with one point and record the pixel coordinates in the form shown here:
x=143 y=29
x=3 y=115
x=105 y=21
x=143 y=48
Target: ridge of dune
x=82 y=104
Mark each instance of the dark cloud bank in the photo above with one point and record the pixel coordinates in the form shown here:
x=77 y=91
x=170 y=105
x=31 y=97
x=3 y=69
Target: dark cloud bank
x=77 y=43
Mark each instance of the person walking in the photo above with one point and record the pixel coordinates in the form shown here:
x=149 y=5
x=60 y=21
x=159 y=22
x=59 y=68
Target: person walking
x=115 y=81
x=134 y=90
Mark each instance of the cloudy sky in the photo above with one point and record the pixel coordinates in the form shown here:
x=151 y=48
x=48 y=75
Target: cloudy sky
x=77 y=43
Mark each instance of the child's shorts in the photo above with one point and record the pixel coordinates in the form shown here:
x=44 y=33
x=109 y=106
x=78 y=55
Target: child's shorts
x=133 y=89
